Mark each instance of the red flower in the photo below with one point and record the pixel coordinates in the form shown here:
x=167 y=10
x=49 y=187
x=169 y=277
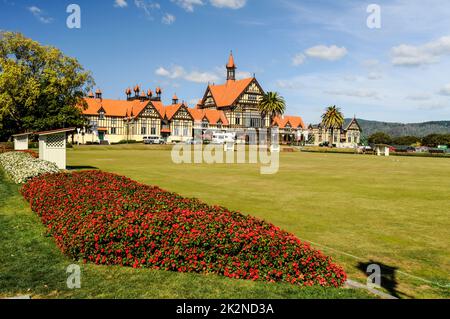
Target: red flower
x=109 y=219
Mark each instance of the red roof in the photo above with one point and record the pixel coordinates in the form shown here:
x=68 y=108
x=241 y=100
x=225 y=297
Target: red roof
x=226 y=94
x=122 y=108
x=116 y=108
x=230 y=63
x=213 y=116
x=293 y=121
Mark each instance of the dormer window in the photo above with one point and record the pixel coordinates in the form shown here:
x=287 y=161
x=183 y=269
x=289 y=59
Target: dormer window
x=205 y=124
x=101 y=115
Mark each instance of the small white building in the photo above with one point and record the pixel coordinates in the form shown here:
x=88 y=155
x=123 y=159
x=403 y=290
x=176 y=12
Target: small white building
x=21 y=141
x=382 y=149
x=52 y=146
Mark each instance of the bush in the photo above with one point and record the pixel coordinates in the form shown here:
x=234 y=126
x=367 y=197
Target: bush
x=126 y=142
x=380 y=138
x=108 y=219
x=21 y=166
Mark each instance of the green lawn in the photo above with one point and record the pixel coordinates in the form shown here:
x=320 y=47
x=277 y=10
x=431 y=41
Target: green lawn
x=394 y=210
x=31 y=264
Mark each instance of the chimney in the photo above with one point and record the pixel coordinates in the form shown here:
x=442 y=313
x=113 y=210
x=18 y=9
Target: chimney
x=98 y=94
x=175 y=99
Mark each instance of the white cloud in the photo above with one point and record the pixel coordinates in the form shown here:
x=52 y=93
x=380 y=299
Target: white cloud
x=298 y=59
x=175 y=72
x=361 y=93
x=445 y=90
x=188 y=5
x=178 y=72
x=162 y=72
x=429 y=53
x=147 y=6
x=168 y=19
x=243 y=75
x=120 y=3
x=40 y=14
x=201 y=77
x=330 y=53
x=231 y=4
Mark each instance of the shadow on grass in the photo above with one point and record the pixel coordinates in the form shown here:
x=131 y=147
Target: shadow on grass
x=388 y=277
x=75 y=168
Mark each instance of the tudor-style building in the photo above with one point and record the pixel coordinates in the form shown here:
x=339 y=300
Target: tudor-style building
x=349 y=135
x=143 y=114
x=291 y=129
x=238 y=99
x=232 y=106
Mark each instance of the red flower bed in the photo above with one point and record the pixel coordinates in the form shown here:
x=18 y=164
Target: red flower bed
x=109 y=219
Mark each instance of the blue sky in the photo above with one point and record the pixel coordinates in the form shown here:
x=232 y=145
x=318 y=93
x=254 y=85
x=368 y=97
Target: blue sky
x=315 y=53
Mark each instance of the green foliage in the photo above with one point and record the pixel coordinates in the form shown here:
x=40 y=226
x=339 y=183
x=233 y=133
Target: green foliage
x=272 y=103
x=33 y=265
x=126 y=142
x=434 y=140
x=380 y=138
x=405 y=140
x=40 y=87
x=389 y=198
x=400 y=129
x=332 y=118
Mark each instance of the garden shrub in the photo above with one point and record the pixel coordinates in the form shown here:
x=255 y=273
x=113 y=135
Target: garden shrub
x=21 y=166
x=111 y=220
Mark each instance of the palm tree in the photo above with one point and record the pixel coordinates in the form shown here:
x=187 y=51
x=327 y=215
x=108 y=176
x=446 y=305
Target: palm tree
x=332 y=119
x=272 y=104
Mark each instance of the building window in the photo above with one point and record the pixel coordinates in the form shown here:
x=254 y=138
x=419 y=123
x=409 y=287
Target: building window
x=185 y=131
x=143 y=130
x=153 y=130
x=238 y=121
x=113 y=131
x=254 y=122
x=252 y=97
x=205 y=124
x=176 y=131
x=101 y=115
x=113 y=121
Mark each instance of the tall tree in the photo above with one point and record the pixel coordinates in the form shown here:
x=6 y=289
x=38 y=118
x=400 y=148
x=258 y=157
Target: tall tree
x=380 y=138
x=40 y=87
x=332 y=119
x=272 y=104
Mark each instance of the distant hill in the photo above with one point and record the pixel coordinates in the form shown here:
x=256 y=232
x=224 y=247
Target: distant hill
x=400 y=129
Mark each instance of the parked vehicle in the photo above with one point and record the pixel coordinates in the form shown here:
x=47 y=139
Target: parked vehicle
x=222 y=138
x=193 y=141
x=153 y=140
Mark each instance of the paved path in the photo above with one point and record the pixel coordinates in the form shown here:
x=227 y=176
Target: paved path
x=357 y=285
